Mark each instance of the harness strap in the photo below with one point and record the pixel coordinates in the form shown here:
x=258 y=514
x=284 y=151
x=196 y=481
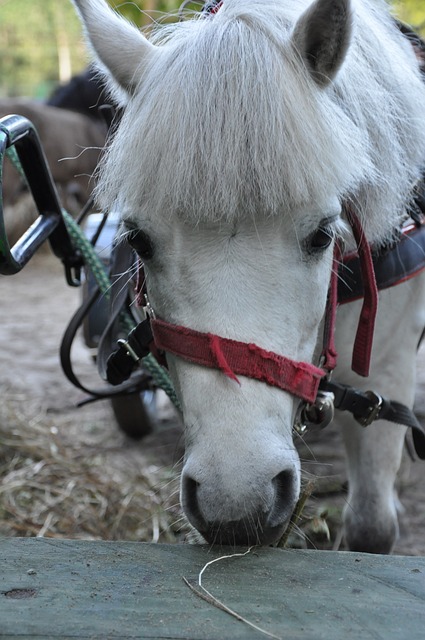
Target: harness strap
x=122 y=362
x=238 y=358
x=394 y=266
x=362 y=349
x=138 y=383
x=368 y=406
x=329 y=353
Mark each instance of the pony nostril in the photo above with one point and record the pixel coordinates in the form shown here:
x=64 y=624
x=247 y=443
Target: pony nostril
x=190 y=502
x=286 y=493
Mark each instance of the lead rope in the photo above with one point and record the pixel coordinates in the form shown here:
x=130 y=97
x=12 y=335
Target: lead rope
x=159 y=375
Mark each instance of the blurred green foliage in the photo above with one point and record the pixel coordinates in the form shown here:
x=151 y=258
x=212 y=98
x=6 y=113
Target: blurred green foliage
x=41 y=44
x=36 y=36
x=412 y=12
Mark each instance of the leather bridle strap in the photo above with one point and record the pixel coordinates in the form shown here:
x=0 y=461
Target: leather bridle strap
x=235 y=358
x=329 y=354
x=393 y=265
x=362 y=349
x=368 y=406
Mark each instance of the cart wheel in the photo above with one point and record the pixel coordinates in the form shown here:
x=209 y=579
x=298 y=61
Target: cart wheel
x=135 y=413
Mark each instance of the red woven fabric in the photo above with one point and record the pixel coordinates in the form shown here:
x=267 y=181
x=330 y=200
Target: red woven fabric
x=235 y=358
x=362 y=349
x=215 y=7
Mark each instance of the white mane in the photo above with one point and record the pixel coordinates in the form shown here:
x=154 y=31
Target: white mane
x=227 y=121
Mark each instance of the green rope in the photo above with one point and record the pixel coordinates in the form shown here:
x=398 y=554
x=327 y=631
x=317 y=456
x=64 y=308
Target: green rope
x=158 y=373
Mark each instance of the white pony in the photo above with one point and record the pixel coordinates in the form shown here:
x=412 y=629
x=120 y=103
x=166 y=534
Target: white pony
x=244 y=131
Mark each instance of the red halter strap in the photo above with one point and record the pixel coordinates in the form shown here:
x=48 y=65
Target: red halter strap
x=235 y=358
x=364 y=337
x=329 y=355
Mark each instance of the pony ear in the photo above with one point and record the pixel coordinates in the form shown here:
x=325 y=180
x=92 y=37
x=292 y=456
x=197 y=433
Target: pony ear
x=118 y=45
x=322 y=36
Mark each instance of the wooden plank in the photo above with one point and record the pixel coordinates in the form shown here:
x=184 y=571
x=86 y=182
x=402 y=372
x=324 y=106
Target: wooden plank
x=105 y=590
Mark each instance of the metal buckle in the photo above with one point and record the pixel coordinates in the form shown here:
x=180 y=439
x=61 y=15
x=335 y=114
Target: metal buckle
x=148 y=309
x=317 y=415
x=299 y=425
x=131 y=352
x=373 y=410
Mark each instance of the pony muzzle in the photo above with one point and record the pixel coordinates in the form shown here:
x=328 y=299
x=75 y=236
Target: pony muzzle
x=258 y=517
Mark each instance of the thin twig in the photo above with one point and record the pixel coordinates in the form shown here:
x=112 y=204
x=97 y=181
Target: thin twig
x=203 y=593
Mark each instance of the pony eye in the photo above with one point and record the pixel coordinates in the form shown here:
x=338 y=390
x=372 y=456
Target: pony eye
x=320 y=239
x=141 y=243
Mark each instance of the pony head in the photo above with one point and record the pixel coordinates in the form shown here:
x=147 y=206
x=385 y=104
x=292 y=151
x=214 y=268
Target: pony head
x=242 y=134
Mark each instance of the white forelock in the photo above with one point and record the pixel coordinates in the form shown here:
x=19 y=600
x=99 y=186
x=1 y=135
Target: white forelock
x=226 y=121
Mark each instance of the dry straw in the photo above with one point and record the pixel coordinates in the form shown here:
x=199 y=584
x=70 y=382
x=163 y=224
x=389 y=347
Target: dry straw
x=87 y=483
x=55 y=486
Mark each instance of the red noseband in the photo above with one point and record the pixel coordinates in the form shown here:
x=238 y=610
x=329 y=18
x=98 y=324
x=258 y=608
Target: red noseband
x=235 y=358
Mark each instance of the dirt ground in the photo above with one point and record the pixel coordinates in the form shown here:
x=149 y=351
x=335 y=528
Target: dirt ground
x=35 y=308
